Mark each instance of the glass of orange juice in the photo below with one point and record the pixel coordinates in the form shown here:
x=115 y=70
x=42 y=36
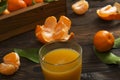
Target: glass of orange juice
x=61 y=60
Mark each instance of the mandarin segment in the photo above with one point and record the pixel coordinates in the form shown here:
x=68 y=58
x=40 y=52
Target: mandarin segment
x=66 y=21
x=12 y=58
x=42 y=34
x=38 y=33
x=7 y=69
x=53 y=30
x=47 y=36
x=117 y=5
x=11 y=63
x=50 y=23
x=60 y=31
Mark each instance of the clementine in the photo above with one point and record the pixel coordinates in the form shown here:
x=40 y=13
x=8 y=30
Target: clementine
x=30 y=2
x=14 y=5
x=53 y=30
x=103 y=40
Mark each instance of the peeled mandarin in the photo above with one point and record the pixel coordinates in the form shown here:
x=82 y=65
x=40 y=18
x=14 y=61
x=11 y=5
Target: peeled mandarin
x=53 y=30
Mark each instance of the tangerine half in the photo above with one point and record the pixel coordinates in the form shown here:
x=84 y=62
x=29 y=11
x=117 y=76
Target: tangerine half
x=80 y=7
x=109 y=12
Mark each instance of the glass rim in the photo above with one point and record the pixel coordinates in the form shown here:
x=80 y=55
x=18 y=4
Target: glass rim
x=42 y=60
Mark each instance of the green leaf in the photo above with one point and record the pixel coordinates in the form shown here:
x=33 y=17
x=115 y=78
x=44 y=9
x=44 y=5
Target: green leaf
x=33 y=2
x=3 y=6
x=31 y=54
x=107 y=57
x=50 y=0
x=117 y=43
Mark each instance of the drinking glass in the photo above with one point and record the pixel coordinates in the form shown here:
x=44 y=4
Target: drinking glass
x=61 y=60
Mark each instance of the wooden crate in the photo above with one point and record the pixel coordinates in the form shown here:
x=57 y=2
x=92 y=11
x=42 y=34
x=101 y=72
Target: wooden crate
x=26 y=19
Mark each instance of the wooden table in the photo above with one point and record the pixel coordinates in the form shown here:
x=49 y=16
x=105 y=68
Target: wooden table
x=84 y=27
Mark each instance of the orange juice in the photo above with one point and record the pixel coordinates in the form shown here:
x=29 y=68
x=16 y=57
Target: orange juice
x=62 y=64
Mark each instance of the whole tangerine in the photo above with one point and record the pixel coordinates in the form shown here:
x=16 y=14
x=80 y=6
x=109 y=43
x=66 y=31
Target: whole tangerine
x=103 y=40
x=14 y=5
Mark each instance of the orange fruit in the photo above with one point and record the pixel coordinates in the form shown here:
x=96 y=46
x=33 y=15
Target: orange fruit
x=14 y=5
x=29 y=2
x=11 y=63
x=103 y=40
x=53 y=30
x=80 y=7
x=109 y=12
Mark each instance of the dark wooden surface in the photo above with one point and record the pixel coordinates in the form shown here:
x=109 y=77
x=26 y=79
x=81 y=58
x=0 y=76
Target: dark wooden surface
x=84 y=27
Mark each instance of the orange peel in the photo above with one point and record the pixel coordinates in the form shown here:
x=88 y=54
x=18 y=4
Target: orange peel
x=53 y=30
x=109 y=12
x=11 y=63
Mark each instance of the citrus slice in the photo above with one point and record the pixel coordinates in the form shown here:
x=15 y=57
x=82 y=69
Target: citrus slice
x=53 y=30
x=109 y=12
